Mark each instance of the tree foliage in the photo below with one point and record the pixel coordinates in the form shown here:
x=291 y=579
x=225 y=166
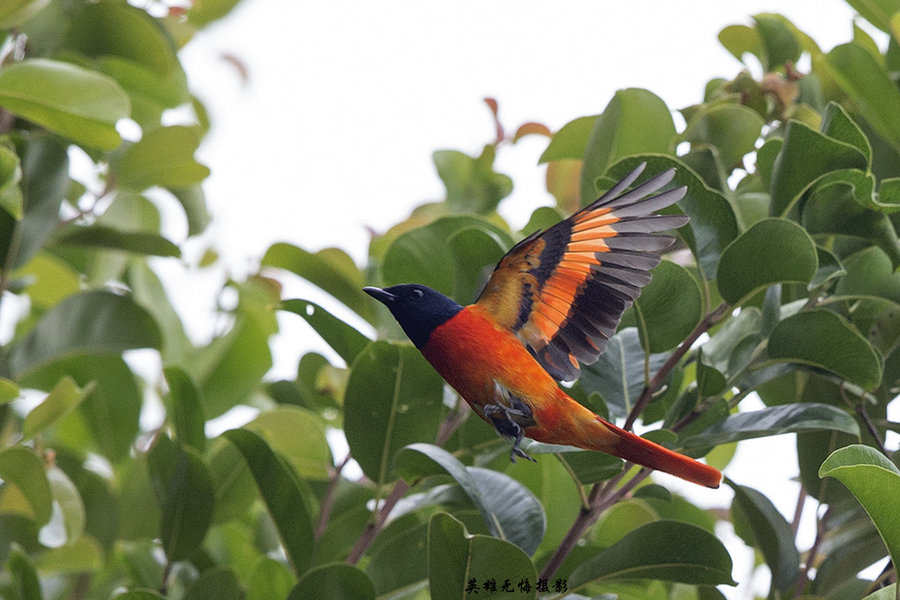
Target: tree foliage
x=784 y=285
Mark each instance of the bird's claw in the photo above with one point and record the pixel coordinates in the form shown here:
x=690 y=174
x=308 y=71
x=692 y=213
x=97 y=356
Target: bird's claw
x=510 y=422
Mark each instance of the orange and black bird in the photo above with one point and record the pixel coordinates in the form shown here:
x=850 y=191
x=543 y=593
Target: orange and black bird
x=552 y=301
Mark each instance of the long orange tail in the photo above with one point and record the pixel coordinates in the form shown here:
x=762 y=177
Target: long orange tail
x=643 y=452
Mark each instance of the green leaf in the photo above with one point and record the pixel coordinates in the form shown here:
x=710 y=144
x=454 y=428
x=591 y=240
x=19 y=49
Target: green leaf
x=50 y=280
x=10 y=177
x=779 y=44
x=298 y=435
x=84 y=555
x=474 y=252
x=730 y=128
x=570 y=141
x=281 y=491
x=870 y=86
x=24 y=575
x=755 y=260
x=875 y=481
x=618 y=375
x=740 y=40
x=185 y=489
x=22 y=468
x=664 y=550
x=163 y=157
x=509 y=510
x=669 y=307
x=87 y=113
x=93 y=322
x=269 y=579
x=343 y=339
x=67 y=500
x=823 y=339
x=9 y=391
x=804 y=157
x=336 y=581
x=775 y=420
x=456 y=559
x=885 y=593
x=331 y=269
x=184 y=409
x=837 y=124
x=876 y=12
x=218 y=582
x=472 y=184
x=713 y=223
x=393 y=399
x=869 y=274
x=64 y=398
x=96 y=236
x=396 y=562
x=635 y=121
x=771 y=534
x=16 y=12
x=204 y=13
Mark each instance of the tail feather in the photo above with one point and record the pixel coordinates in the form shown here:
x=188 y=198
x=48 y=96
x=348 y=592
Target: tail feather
x=643 y=452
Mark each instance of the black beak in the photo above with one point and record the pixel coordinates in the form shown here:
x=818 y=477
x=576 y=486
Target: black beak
x=379 y=294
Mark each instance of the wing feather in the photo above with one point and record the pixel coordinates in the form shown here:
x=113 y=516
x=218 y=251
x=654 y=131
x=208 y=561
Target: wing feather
x=563 y=291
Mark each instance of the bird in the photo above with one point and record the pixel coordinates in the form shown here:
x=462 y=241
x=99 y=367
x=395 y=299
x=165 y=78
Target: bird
x=551 y=304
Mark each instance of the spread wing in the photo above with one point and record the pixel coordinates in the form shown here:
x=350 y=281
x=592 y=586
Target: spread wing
x=563 y=291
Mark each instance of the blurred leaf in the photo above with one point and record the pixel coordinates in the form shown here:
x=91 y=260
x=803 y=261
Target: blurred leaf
x=635 y=121
x=668 y=308
x=111 y=239
x=869 y=273
x=875 y=481
x=22 y=468
x=184 y=409
x=396 y=563
x=204 y=12
x=336 y=581
x=713 y=223
x=87 y=113
x=330 y=269
x=618 y=375
x=774 y=420
x=755 y=260
x=474 y=251
x=509 y=510
x=885 y=593
x=472 y=184
x=269 y=579
x=805 y=156
x=771 y=535
x=664 y=550
x=876 y=12
x=570 y=141
x=163 y=157
x=64 y=398
x=393 y=399
x=83 y=555
x=16 y=12
x=740 y=40
x=456 y=558
x=24 y=575
x=297 y=435
x=779 y=44
x=281 y=491
x=823 y=339
x=87 y=323
x=67 y=500
x=870 y=87
x=730 y=128
x=10 y=177
x=50 y=280
x=193 y=201
x=9 y=391
x=218 y=582
x=343 y=339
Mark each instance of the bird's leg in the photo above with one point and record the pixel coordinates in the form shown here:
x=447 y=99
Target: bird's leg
x=510 y=418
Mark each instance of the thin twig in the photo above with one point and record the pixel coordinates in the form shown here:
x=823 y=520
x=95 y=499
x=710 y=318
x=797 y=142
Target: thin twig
x=803 y=578
x=328 y=499
x=798 y=511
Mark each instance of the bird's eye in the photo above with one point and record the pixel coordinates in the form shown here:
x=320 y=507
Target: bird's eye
x=417 y=293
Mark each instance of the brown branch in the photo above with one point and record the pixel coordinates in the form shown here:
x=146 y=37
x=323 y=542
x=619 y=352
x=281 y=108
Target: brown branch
x=803 y=578
x=328 y=499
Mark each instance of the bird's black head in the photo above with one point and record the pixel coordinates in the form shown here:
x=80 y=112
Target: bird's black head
x=418 y=308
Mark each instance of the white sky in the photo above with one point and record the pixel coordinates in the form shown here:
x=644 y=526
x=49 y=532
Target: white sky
x=346 y=101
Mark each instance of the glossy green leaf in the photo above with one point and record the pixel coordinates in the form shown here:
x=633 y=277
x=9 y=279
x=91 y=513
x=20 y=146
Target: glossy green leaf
x=424 y=255
x=804 y=157
x=184 y=409
x=281 y=491
x=509 y=510
x=269 y=579
x=393 y=399
x=456 y=559
x=107 y=238
x=775 y=420
x=185 y=490
x=475 y=251
x=875 y=481
x=823 y=339
x=713 y=223
x=664 y=550
x=64 y=398
x=869 y=274
x=471 y=182
x=886 y=593
x=570 y=141
x=668 y=308
x=343 y=338
x=88 y=323
x=163 y=157
x=298 y=435
x=870 y=86
x=755 y=260
x=837 y=123
x=336 y=581
x=396 y=562
x=330 y=269
x=22 y=468
x=618 y=375
x=87 y=113
x=771 y=534
x=732 y=129
x=635 y=121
